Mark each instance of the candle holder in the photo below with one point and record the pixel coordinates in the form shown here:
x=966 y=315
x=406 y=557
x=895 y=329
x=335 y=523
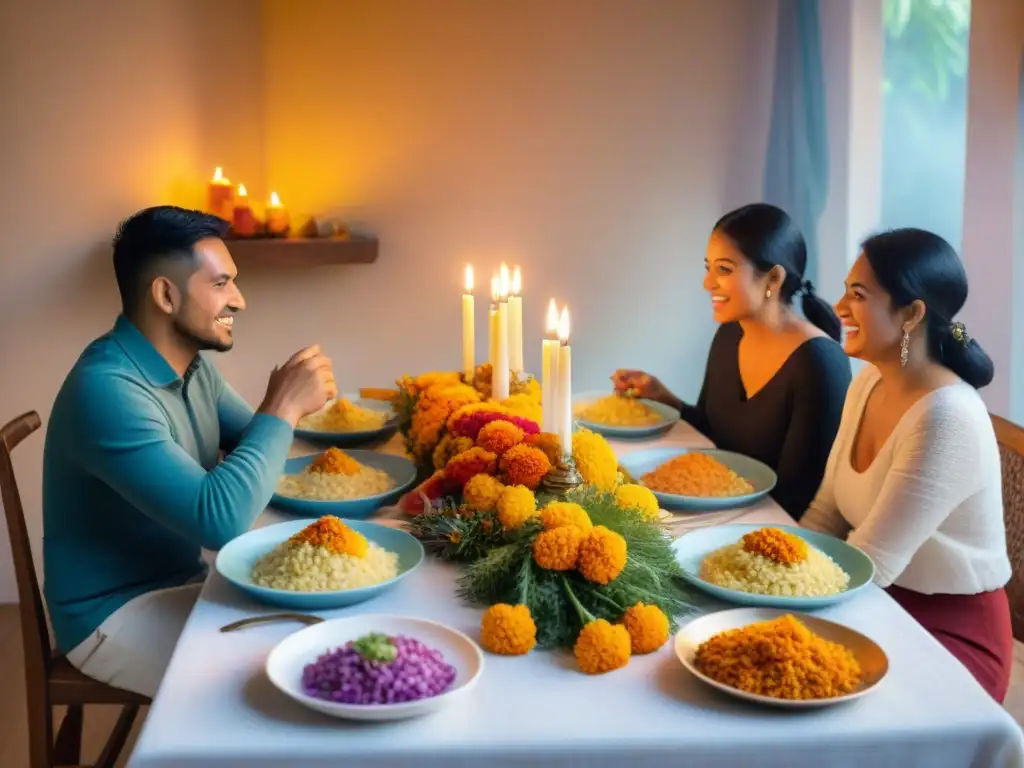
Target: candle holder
x=562 y=478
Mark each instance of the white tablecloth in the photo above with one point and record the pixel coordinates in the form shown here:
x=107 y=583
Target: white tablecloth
x=216 y=707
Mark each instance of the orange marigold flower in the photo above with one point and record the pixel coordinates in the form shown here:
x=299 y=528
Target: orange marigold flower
x=595 y=459
x=547 y=442
x=602 y=555
x=516 y=505
x=448 y=447
x=560 y=513
x=508 y=629
x=482 y=492
x=524 y=465
x=777 y=545
x=335 y=462
x=475 y=461
x=435 y=404
x=332 y=534
x=602 y=647
x=557 y=549
x=632 y=496
x=498 y=436
x=648 y=627
x=524 y=405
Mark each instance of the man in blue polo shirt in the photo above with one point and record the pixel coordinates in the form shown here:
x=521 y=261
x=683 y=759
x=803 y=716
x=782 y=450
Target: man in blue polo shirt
x=133 y=484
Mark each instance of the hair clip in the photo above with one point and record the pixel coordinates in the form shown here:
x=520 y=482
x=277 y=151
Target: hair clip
x=959 y=331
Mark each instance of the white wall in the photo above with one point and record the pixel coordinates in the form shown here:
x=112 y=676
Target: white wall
x=108 y=106
x=852 y=59
x=592 y=142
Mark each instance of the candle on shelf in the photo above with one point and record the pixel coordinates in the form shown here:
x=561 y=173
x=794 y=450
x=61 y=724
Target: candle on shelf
x=220 y=196
x=243 y=222
x=515 y=325
x=277 y=217
x=468 y=327
x=499 y=366
x=564 y=384
x=549 y=373
x=492 y=325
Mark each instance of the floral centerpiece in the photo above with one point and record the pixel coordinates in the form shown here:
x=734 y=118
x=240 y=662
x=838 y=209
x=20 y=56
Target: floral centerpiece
x=592 y=571
x=426 y=405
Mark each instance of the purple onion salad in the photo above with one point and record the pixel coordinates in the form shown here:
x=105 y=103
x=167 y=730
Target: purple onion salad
x=378 y=669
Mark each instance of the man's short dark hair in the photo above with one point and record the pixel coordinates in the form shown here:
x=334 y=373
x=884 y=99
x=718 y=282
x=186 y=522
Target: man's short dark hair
x=150 y=237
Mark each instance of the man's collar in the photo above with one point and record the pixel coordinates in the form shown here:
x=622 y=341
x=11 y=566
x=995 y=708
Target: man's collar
x=147 y=359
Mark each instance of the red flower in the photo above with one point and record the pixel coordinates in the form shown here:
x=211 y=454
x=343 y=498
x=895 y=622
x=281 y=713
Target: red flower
x=475 y=461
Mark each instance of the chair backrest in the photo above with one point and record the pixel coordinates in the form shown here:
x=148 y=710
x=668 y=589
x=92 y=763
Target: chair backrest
x=34 y=630
x=1011 y=452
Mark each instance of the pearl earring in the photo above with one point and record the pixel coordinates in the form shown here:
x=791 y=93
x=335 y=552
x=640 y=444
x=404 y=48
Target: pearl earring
x=768 y=293
x=905 y=348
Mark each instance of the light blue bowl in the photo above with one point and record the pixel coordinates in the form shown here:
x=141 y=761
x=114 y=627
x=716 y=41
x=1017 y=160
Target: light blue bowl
x=236 y=559
x=354 y=439
x=759 y=475
x=401 y=469
x=691 y=548
x=669 y=418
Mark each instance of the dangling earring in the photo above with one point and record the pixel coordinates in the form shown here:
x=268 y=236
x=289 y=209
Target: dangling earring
x=768 y=293
x=905 y=348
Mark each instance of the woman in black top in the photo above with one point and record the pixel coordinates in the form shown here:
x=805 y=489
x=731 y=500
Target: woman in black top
x=775 y=383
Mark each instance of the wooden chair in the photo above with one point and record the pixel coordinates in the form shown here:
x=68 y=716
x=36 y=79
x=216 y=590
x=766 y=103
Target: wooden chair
x=1011 y=452
x=50 y=680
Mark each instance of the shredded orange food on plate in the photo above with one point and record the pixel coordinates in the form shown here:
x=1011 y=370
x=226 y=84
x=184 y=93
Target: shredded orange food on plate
x=777 y=545
x=335 y=462
x=332 y=534
x=780 y=658
x=696 y=474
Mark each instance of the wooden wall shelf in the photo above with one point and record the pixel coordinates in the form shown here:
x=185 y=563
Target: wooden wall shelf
x=303 y=252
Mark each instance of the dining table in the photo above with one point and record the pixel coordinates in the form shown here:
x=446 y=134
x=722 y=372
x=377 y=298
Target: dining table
x=216 y=707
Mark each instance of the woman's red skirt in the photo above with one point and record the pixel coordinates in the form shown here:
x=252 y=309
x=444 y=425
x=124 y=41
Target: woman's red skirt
x=974 y=628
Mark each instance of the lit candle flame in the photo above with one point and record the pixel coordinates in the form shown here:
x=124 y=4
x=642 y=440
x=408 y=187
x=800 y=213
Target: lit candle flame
x=503 y=273
x=563 y=326
x=218 y=176
x=517 y=282
x=241 y=190
x=552 y=317
x=275 y=200
x=503 y=282
x=495 y=289
x=469 y=278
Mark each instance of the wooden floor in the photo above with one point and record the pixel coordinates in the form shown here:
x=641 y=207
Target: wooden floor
x=99 y=720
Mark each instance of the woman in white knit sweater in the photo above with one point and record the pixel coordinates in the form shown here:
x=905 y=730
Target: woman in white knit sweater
x=913 y=477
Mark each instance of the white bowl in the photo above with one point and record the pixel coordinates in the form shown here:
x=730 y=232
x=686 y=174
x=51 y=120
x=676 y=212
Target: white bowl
x=872 y=659
x=287 y=660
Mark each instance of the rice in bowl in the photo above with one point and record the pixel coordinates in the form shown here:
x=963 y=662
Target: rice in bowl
x=770 y=561
x=335 y=476
x=345 y=416
x=325 y=556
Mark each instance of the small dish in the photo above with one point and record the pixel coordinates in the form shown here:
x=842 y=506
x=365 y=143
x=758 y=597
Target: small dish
x=236 y=559
x=287 y=660
x=669 y=418
x=760 y=476
x=872 y=659
x=691 y=548
x=357 y=438
x=401 y=470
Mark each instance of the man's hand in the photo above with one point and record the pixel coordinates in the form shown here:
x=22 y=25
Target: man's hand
x=301 y=386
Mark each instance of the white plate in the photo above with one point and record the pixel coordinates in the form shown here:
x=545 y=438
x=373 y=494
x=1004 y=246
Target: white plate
x=287 y=660
x=872 y=659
